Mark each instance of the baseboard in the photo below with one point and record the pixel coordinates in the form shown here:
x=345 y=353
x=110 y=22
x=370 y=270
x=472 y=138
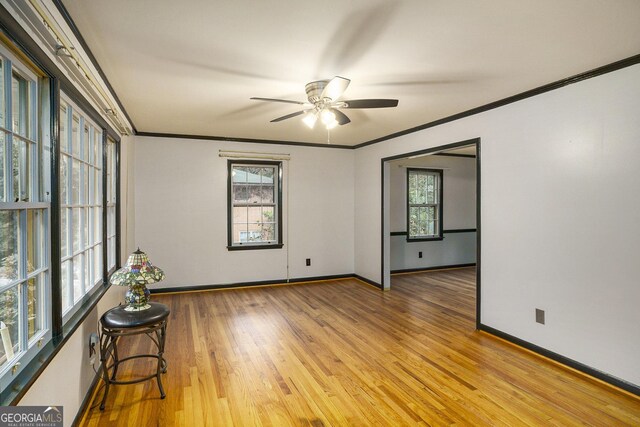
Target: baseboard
x=592 y=372
x=88 y=398
x=251 y=284
x=367 y=281
x=437 y=267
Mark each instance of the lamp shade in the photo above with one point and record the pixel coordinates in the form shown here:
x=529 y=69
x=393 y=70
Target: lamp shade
x=137 y=271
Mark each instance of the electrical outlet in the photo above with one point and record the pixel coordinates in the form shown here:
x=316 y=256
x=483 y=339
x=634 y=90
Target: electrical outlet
x=419 y=254
x=93 y=341
x=540 y=316
x=308 y=262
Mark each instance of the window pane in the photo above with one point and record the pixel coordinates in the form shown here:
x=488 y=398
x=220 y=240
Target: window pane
x=78 y=263
x=20 y=105
x=84 y=212
x=255 y=194
x=75 y=182
x=239 y=174
x=8 y=247
x=413 y=178
x=34 y=240
x=97 y=148
x=254 y=214
x=240 y=193
x=20 y=170
x=64 y=179
x=76 y=229
x=10 y=327
x=268 y=214
x=253 y=175
x=85 y=184
x=85 y=144
x=75 y=137
x=111 y=255
x=240 y=233
x=97 y=264
x=64 y=141
x=267 y=175
x=97 y=184
x=97 y=225
x=111 y=221
x=2 y=106
x=269 y=232
x=2 y=159
x=64 y=231
x=413 y=221
x=35 y=297
x=240 y=214
x=65 y=278
x=254 y=232
x=88 y=270
x=267 y=194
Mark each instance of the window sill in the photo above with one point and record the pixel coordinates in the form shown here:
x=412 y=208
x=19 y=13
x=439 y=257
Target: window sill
x=424 y=239
x=251 y=247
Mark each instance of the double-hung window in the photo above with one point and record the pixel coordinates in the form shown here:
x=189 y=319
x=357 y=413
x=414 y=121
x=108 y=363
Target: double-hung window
x=255 y=201
x=24 y=214
x=112 y=195
x=81 y=163
x=424 y=204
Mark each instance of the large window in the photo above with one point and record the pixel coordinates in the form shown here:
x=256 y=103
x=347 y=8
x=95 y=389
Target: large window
x=112 y=195
x=424 y=204
x=24 y=215
x=53 y=262
x=255 y=214
x=80 y=204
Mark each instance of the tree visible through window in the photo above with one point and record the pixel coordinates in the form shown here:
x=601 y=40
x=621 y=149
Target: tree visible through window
x=254 y=200
x=424 y=204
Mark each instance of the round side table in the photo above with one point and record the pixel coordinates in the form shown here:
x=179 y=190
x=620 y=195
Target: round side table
x=117 y=323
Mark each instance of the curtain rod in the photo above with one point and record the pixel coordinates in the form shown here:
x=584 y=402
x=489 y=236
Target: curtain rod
x=254 y=155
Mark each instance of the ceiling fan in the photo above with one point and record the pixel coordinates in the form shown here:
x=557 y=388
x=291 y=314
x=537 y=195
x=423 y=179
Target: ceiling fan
x=323 y=103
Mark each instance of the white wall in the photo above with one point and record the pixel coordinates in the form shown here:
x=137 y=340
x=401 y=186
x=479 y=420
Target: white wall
x=459 y=212
x=181 y=213
x=67 y=378
x=560 y=227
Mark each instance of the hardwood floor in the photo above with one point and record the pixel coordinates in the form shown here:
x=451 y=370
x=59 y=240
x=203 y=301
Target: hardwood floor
x=343 y=353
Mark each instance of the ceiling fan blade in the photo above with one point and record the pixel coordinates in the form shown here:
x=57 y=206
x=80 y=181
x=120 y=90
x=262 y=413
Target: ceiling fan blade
x=335 y=88
x=340 y=116
x=370 y=103
x=288 y=116
x=277 y=100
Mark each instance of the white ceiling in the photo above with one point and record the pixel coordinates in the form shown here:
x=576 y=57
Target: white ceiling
x=190 y=66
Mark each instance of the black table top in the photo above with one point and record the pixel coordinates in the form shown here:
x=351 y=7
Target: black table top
x=119 y=318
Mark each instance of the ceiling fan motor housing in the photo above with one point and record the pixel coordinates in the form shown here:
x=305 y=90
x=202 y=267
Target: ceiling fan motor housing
x=314 y=90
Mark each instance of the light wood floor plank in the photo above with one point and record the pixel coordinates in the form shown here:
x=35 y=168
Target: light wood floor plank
x=340 y=353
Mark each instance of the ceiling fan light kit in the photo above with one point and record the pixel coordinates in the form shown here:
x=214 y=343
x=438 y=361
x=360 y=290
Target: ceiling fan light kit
x=323 y=103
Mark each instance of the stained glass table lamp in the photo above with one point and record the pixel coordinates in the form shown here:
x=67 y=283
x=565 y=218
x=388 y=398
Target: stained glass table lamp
x=138 y=273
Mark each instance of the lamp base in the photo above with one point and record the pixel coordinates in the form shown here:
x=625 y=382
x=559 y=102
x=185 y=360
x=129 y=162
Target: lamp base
x=137 y=298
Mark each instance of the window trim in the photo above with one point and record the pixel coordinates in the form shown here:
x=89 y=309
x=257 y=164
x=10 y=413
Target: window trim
x=250 y=246
x=31 y=54
x=440 y=204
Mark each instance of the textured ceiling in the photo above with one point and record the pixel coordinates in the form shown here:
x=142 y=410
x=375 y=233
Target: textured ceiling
x=190 y=67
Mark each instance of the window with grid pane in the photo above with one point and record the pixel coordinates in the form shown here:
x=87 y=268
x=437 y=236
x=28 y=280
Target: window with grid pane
x=24 y=215
x=254 y=200
x=80 y=204
x=424 y=204
x=111 y=202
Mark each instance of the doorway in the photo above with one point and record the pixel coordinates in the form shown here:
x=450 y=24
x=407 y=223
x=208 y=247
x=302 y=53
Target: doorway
x=431 y=211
